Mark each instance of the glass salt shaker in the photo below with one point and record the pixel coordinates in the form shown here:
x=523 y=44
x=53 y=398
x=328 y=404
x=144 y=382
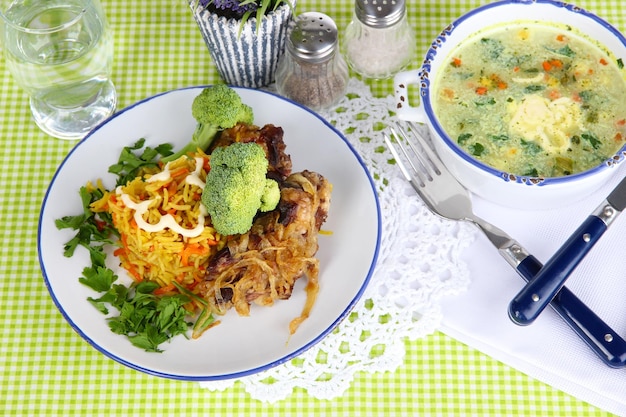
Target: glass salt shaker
x=379 y=41
x=312 y=72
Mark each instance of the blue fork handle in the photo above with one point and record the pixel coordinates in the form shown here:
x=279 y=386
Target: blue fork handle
x=601 y=338
x=543 y=287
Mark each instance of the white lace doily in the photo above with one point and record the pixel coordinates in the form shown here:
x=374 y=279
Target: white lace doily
x=419 y=262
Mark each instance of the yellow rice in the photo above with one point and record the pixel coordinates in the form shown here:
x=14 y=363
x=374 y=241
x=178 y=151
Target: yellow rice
x=166 y=255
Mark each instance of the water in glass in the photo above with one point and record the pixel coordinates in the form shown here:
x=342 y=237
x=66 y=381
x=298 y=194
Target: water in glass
x=60 y=53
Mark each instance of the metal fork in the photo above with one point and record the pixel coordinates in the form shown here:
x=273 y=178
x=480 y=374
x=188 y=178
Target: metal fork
x=446 y=197
x=442 y=193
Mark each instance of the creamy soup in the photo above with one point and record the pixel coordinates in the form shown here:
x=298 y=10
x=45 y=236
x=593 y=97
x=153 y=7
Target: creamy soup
x=533 y=99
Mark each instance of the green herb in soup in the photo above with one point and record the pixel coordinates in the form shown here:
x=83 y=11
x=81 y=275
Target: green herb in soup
x=533 y=99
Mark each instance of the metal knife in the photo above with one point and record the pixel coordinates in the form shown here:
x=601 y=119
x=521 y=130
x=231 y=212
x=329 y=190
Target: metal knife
x=543 y=287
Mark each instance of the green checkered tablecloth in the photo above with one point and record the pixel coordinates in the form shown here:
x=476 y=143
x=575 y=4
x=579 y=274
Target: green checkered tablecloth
x=48 y=369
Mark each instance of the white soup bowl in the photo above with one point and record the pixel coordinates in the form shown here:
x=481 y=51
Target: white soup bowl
x=489 y=183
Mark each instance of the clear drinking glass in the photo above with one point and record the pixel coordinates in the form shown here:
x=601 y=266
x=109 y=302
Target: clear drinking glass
x=60 y=52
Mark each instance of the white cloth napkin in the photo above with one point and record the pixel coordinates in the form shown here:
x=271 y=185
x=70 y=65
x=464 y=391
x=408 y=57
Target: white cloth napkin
x=548 y=349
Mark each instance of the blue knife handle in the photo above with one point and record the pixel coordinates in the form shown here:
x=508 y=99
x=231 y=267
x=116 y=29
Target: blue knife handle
x=543 y=287
x=599 y=336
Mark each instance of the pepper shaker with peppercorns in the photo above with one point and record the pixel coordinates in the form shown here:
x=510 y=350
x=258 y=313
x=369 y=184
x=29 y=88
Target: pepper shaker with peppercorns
x=312 y=72
x=379 y=40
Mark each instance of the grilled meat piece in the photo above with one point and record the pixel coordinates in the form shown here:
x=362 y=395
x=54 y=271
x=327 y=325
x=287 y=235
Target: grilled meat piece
x=270 y=138
x=262 y=265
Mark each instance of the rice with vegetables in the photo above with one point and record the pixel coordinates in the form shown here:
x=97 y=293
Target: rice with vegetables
x=153 y=250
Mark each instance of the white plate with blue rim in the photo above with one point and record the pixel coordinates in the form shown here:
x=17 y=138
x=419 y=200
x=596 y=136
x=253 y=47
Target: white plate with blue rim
x=238 y=346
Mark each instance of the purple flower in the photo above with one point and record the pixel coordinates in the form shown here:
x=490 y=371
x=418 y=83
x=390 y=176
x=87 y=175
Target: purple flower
x=231 y=7
x=241 y=9
x=234 y=6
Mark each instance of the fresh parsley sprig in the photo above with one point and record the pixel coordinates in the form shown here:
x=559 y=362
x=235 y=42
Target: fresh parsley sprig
x=93 y=231
x=130 y=162
x=146 y=319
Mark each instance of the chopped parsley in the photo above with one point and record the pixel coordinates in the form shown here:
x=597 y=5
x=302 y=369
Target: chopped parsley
x=566 y=51
x=532 y=172
x=476 y=149
x=531 y=147
x=592 y=139
x=484 y=101
x=534 y=88
x=464 y=137
x=499 y=138
x=493 y=47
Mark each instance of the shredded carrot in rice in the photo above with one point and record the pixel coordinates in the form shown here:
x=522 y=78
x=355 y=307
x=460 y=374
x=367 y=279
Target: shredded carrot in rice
x=164 y=256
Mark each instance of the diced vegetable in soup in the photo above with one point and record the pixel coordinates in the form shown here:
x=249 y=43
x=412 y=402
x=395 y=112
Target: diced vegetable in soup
x=533 y=99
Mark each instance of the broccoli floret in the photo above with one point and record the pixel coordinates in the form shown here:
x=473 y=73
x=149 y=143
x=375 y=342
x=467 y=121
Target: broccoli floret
x=271 y=196
x=216 y=108
x=237 y=188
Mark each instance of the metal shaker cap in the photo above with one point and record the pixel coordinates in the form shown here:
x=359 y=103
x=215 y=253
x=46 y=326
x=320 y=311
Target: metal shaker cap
x=379 y=13
x=314 y=37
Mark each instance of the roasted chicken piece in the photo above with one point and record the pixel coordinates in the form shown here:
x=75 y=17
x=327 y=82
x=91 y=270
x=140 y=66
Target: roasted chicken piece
x=262 y=265
x=270 y=138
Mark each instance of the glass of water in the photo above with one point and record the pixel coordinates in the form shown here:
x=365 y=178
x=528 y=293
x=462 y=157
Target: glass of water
x=60 y=52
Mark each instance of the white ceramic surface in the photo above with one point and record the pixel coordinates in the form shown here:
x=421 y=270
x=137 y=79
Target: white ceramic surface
x=239 y=345
x=489 y=183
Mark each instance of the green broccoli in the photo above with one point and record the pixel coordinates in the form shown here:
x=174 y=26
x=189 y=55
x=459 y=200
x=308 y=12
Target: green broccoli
x=271 y=196
x=216 y=108
x=237 y=188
